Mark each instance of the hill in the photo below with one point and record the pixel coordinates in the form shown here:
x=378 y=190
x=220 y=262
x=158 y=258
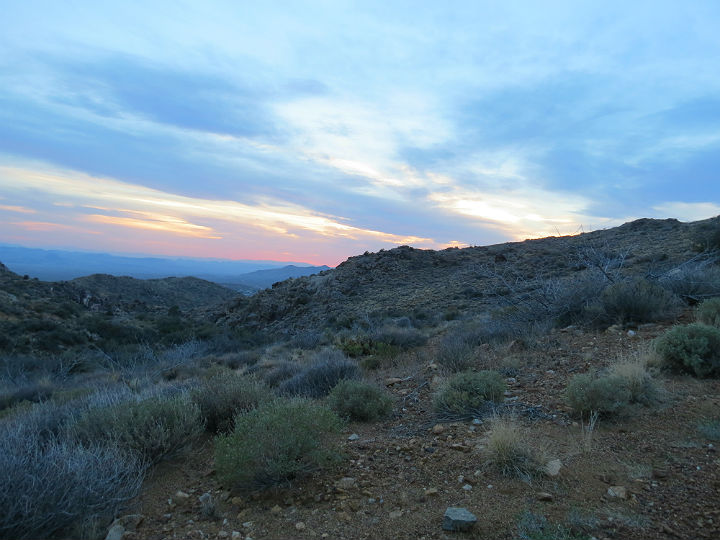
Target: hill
x=427 y=284
x=252 y=282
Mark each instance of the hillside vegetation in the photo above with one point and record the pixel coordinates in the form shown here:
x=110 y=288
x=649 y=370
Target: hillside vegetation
x=561 y=388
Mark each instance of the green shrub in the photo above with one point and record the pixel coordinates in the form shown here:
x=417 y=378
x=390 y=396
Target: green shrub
x=638 y=380
x=155 y=427
x=637 y=301
x=321 y=376
x=359 y=400
x=708 y=312
x=605 y=394
x=694 y=348
x=276 y=443
x=222 y=397
x=281 y=372
x=465 y=393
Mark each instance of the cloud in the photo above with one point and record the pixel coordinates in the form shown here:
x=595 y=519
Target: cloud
x=20 y=209
x=688 y=211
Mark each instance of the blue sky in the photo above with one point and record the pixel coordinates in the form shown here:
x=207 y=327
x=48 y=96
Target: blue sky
x=317 y=130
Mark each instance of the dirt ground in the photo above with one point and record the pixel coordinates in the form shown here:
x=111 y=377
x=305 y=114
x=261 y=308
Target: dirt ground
x=399 y=476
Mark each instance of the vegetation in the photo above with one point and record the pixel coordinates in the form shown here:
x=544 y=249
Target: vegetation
x=510 y=450
x=637 y=301
x=276 y=443
x=358 y=400
x=589 y=392
x=693 y=348
x=155 y=427
x=222 y=397
x=465 y=394
x=708 y=312
x=320 y=377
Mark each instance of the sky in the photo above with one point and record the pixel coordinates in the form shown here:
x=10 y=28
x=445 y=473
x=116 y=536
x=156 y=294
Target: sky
x=314 y=131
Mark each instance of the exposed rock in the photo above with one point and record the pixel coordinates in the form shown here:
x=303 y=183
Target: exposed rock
x=276 y=509
x=346 y=483
x=395 y=514
x=458 y=519
x=391 y=381
x=353 y=437
x=300 y=526
x=437 y=429
x=544 y=496
x=619 y=492
x=552 y=467
x=115 y=532
x=181 y=497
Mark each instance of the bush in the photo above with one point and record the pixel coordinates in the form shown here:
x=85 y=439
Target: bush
x=693 y=282
x=222 y=397
x=694 y=348
x=61 y=489
x=281 y=372
x=455 y=354
x=510 y=451
x=465 y=393
x=401 y=337
x=708 y=312
x=359 y=400
x=637 y=301
x=155 y=427
x=605 y=394
x=638 y=380
x=276 y=443
x=321 y=376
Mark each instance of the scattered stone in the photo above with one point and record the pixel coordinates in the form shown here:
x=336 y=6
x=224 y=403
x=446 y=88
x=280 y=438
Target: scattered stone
x=181 y=497
x=460 y=447
x=391 y=381
x=458 y=519
x=237 y=501
x=631 y=333
x=235 y=535
x=477 y=421
x=346 y=483
x=552 y=467
x=395 y=514
x=467 y=487
x=431 y=492
x=437 y=429
x=619 y=492
x=223 y=534
x=300 y=526
x=353 y=437
x=544 y=496
x=276 y=509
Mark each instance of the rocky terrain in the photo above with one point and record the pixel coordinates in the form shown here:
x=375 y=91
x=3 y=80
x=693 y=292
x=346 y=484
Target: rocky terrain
x=537 y=314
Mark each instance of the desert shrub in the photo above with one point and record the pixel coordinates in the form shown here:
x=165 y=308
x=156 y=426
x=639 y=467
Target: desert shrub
x=510 y=450
x=455 y=354
x=31 y=391
x=693 y=282
x=154 y=427
x=574 y=300
x=466 y=393
x=637 y=378
x=281 y=372
x=321 y=376
x=708 y=312
x=359 y=400
x=222 y=397
x=706 y=236
x=61 y=489
x=637 y=301
x=589 y=392
x=276 y=443
x=307 y=339
x=402 y=337
x=694 y=348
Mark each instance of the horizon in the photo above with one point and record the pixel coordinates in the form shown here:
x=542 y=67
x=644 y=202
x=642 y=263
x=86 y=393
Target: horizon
x=317 y=131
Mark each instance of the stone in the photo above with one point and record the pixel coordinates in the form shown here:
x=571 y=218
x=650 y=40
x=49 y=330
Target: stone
x=544 y=496
x=235 y=535
x=391 y=381
x=300 y=526
x=437 y=429
x=115 y=532
x=276 y=509
x=395 y=514
x=458 y=519
x=467 y=487
x=346 y=483
x=181 y=497
x=237 y=501
x=223 y=534
x=552 y=467
x=431 y=492
x=619 y=492
x=353 y=437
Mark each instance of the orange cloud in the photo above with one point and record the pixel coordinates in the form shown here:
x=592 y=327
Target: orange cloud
x=165 y=224
x=20 y=209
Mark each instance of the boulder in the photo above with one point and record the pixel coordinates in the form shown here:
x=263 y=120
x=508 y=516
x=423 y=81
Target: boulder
x=458 y=519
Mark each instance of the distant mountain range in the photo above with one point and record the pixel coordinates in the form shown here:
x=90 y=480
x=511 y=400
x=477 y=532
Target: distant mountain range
x=245 y=276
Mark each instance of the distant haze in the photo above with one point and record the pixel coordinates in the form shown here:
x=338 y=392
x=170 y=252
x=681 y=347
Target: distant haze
x=57 y=265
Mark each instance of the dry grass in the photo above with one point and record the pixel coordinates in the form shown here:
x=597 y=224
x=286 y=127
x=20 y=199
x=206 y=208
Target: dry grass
x=634 y=370
x=511 y=450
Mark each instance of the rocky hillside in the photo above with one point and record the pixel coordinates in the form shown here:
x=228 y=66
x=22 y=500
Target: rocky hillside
x=426 y=284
